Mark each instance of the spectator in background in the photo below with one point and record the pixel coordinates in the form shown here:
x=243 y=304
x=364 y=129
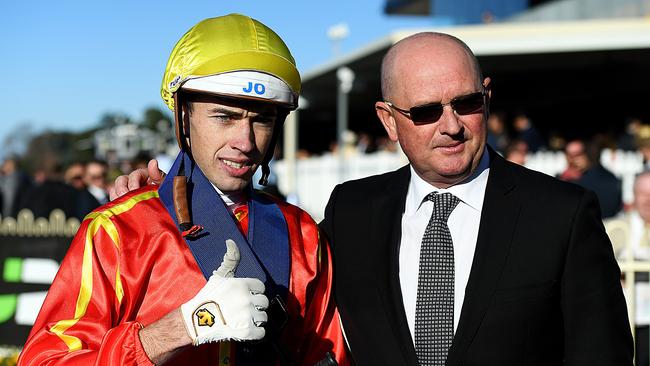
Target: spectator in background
x=14 y=184
x=51 y=193
x=636 y=235
x=627 y=140
x=349 y=147
x=556 y=141
x=74 y=176
x=141 y=160
x=303 y=154
x=525 y=131
x=642 y=141
x=576 y=161
x=84 y=202
x=385 y=144
x=497 y=135
x=601 y=181
x=516 y=152
x=366 y=143
x=95 y=179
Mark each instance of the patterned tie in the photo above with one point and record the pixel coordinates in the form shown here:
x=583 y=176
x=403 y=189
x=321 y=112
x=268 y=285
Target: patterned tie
x=434 y=308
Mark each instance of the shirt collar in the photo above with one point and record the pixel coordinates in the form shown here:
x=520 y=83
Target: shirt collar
x=471 y=191
x=231 y=200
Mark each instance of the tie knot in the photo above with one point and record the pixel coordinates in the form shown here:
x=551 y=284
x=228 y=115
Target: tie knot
x=443 y=205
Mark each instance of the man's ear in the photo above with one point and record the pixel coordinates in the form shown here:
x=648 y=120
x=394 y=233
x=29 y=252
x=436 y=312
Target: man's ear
x=488 y=97
x=488 y=87
x=387 y=119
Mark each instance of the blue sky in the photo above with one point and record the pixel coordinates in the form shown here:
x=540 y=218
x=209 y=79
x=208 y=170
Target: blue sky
x=65 y=63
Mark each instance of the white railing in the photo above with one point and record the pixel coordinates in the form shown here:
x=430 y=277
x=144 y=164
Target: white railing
x=317 y=176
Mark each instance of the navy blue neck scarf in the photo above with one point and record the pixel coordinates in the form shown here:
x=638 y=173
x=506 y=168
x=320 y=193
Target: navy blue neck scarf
x=264 y=254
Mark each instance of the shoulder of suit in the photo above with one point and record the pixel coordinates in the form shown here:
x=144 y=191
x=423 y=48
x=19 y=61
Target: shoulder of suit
x=378 y=181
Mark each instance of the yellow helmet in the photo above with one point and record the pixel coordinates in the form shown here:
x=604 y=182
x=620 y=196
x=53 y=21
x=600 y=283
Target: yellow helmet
x=226 y=48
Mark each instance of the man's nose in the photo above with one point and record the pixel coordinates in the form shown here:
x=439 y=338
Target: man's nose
x=243 y=138
x=449 y=124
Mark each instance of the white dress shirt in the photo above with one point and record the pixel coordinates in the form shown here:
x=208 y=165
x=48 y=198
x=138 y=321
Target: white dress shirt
x=463 y=225
x=232 y=200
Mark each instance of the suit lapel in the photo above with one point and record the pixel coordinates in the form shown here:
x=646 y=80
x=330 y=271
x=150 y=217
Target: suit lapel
x=387 y=215
x=498 y=220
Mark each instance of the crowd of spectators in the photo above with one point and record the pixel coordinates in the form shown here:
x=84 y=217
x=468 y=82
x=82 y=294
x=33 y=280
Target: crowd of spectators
x=521 y=138
x=76 y=188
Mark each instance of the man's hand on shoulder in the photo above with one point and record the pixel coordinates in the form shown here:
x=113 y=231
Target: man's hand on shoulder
x=136 y=179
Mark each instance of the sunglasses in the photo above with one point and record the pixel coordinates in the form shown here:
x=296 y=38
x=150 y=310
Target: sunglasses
x=431 y=112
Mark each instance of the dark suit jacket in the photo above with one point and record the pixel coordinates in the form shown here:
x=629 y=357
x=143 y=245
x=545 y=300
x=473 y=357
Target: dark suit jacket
x=544 y=287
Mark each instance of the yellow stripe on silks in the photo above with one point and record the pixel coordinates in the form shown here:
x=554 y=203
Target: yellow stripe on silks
x=111 y=230
x=87 y=271
x=72 y=342
x=99 y=219
x=85 y=291
x=224 y=354
x=124 y=206
x=119 y=291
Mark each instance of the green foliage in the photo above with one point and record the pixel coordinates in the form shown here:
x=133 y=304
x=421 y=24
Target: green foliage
x=153 y=117
x=108 y=120
x=52 y=151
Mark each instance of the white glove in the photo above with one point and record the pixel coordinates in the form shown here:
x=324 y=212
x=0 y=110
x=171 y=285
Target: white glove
x=227 y=308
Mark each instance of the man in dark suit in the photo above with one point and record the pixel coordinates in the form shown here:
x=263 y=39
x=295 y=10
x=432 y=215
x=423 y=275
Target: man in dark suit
x=534 y=278
x=530 y=277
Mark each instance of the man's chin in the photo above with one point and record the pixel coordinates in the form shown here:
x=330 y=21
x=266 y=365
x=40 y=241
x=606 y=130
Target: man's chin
x=456 y=175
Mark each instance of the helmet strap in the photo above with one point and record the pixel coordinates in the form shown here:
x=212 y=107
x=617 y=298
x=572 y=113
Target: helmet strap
x=179 y=187
x=179 y=191
x=270 y=151
x=181 y=130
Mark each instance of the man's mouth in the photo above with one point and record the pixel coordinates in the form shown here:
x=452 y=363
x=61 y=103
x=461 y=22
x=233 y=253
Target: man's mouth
x=452 y=146
x=236 y=165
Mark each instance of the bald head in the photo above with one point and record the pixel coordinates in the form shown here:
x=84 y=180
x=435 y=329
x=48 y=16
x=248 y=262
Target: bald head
x=642 y=195
x=425 y=44
x=642 y=182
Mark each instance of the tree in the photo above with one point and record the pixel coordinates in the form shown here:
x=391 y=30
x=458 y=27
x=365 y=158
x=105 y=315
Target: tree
x=59 y=147
x=111 y=119
x=152 y=118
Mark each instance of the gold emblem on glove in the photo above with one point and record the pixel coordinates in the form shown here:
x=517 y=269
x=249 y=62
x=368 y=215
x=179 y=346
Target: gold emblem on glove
x=204 y=317
x=206 y=313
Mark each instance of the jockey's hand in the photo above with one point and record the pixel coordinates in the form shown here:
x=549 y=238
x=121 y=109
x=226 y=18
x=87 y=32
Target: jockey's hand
x=227 y=308
x=136 y=179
